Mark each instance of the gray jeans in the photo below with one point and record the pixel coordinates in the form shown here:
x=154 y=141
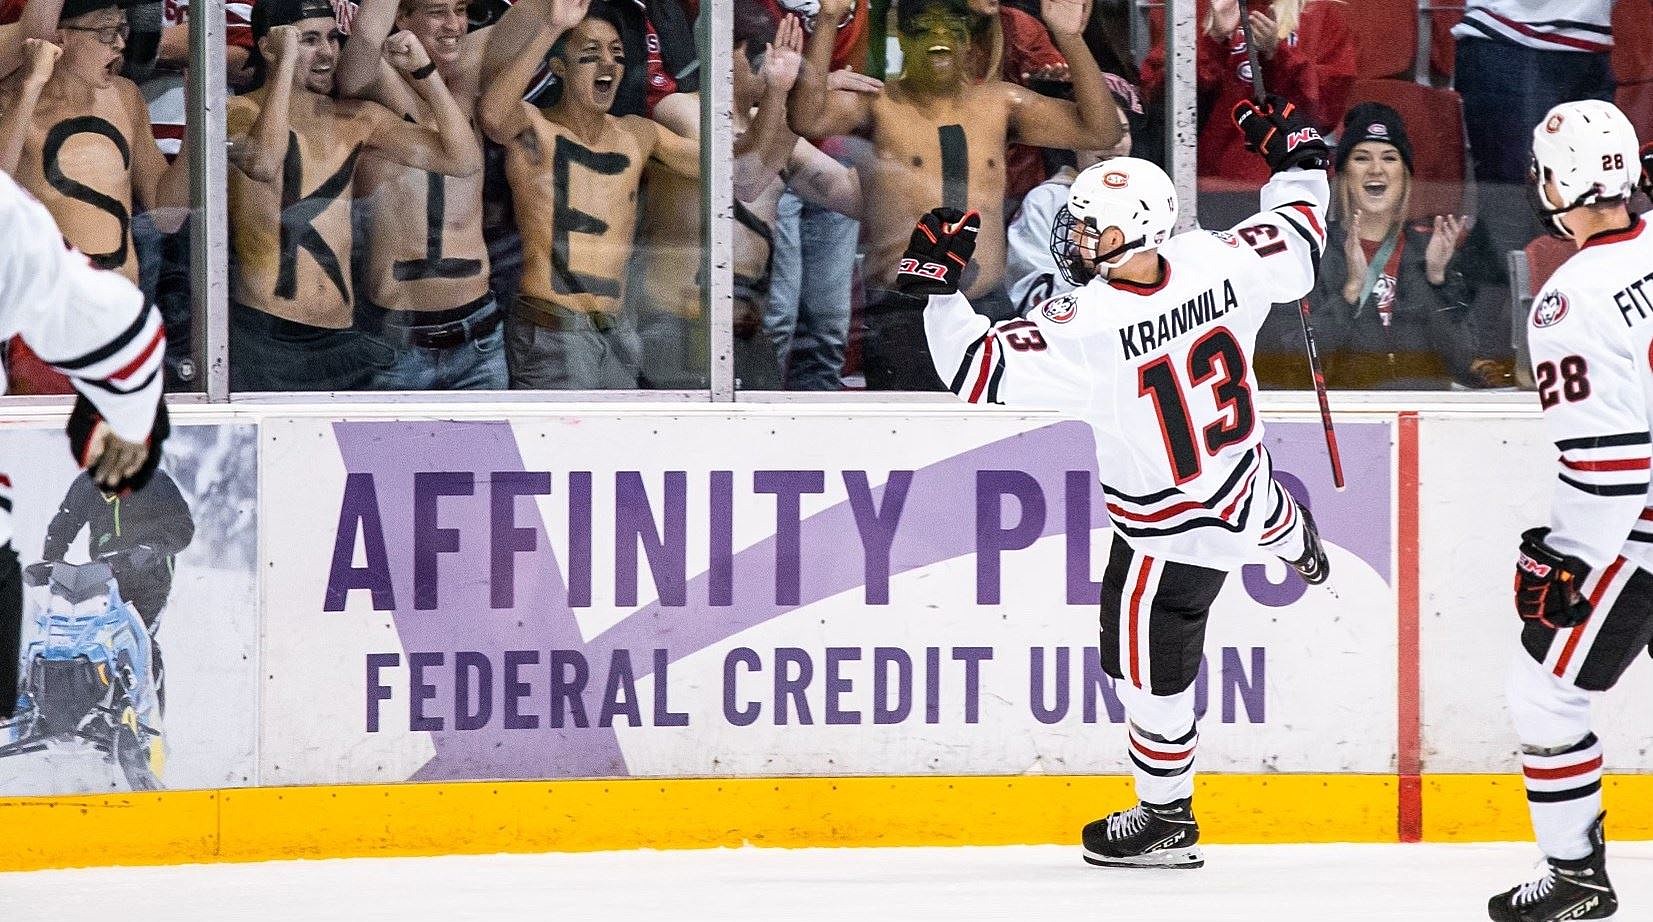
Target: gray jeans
x=552 y=348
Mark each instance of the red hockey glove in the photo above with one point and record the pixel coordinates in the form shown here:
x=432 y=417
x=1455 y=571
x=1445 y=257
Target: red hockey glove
x=938 y=253
x=1280 y=132
x=1547 y=583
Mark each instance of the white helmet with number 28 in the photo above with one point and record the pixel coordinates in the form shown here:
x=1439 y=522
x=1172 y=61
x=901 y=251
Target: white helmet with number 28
x=1131 y=194
x=1589 y=150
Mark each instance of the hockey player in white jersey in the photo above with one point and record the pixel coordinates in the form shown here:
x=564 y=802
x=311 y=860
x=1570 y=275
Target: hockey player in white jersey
x=1583 y=586
x=93 y=326
x=1153 y=350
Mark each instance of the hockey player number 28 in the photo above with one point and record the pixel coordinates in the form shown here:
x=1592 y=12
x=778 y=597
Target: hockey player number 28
x=1216 y=353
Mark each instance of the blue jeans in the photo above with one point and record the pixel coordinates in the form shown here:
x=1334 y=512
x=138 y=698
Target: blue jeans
x=268 y=353
x=807 y=318
x=476 y=364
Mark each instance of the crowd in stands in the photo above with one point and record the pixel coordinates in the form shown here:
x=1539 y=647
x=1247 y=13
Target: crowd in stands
x=430 y=194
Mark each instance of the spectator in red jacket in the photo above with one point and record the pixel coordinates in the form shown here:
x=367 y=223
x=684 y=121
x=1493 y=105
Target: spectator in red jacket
x=1308 y=56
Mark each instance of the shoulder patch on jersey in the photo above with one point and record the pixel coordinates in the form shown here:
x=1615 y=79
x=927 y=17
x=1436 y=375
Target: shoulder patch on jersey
x=1060 y=309
x=1550 y=310
x=1227 y=238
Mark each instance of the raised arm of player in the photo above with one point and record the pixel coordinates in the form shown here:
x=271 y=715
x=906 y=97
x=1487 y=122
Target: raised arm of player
x=1011 y=362
x=89 y=324
x=1091 y=121
x=1589 y=384
x=1288 y=235
x=815 y=109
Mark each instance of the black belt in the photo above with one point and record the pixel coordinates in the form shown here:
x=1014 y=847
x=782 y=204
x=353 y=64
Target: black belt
x=438 y=329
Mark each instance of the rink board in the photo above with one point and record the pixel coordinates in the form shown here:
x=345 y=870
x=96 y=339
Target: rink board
x=786 y=625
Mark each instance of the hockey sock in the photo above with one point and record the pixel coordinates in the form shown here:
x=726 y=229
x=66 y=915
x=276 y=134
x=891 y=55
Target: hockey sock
x=1283 y=528
x=1161 y=737
x=1564 y=795
x=1560 y=758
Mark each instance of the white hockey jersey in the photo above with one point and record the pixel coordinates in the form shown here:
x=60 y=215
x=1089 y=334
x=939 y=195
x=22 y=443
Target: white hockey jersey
x=90 y=324
x=1551 y=25
x=1161 y=373
x=1589 y=333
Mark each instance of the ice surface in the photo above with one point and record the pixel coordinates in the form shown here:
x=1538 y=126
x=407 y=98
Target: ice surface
x=1323 y=883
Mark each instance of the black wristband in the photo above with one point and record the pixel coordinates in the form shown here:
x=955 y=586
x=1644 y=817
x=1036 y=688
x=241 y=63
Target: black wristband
x=423 y=72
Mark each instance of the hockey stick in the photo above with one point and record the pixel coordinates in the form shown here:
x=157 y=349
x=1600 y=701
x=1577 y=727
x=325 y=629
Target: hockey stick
x=1258 y=95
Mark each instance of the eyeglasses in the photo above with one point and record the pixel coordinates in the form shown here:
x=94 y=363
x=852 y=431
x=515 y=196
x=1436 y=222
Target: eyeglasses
x=106 y=34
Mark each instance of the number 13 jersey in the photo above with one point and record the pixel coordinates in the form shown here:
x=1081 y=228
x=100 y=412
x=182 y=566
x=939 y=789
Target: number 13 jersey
x=1162 y=373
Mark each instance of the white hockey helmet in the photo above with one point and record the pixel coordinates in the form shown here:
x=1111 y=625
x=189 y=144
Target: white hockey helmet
x=1124 y=192
x=1589 y=149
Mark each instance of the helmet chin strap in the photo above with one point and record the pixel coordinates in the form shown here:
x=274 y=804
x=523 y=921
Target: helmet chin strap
x=1107 y=262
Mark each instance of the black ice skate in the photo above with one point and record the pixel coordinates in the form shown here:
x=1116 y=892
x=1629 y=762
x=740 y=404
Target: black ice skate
x=1568 y=890
x=1146 y=836
x=1313 y=565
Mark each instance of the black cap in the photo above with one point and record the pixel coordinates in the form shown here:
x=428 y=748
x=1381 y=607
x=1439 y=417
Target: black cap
x=73 y=9
x=1371 y=121
x=267 y=14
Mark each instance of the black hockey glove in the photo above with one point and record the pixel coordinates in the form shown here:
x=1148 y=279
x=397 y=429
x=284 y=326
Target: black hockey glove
x=1280 y=132
x=938 y=253
x=83 y=422
x=1548 y=583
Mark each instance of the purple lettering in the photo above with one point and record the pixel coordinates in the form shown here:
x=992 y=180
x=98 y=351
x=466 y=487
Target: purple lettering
x=1036 y=683
x=739 y=717
x=634 y=524
x=1082 y=590
x=838 y=686
x=359 y=513
x=579 y=540
x=720 y=527
x=429 y=539
x=378 y=691
x=932 y=685
x=992 y=538
x=876 y=525
x=1238 y=686
x=465 y=664
x=788 y=486
x=507 y=539
x=972 y=658
x=788 y=686
x=664 y=716
x=882 y=659
x=420 y=691
x=569 y=673
x=516 y=690
x=620 y=692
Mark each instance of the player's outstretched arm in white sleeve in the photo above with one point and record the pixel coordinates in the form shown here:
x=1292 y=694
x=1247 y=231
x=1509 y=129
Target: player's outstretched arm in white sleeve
x=1289 y=234
x=90 y=324
x=1589 y=385
x=1287 y=237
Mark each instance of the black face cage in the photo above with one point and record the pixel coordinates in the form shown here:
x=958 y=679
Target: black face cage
x=1075 y=271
